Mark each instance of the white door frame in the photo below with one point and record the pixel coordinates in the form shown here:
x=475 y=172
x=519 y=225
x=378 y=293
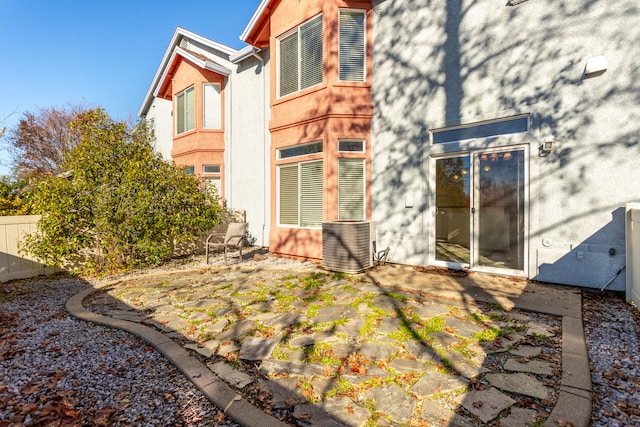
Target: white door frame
x=473 y=265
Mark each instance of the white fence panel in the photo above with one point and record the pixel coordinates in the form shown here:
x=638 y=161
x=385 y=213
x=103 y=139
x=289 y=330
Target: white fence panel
x=633 y=252
x=13 y=265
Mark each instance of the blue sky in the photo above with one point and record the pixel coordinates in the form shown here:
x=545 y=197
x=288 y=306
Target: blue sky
x=98 y=53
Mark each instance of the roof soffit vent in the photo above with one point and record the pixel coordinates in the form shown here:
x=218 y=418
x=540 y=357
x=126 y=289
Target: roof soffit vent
x=185 y=43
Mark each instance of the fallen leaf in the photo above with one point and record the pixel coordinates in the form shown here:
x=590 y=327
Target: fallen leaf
x=101 y=419
x=291 y=402
x=478 y=404
x=564 y=423
x=30 y=388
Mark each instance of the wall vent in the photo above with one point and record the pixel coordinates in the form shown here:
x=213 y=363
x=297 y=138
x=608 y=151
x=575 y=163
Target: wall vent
x=185 y=43
x=347 y=245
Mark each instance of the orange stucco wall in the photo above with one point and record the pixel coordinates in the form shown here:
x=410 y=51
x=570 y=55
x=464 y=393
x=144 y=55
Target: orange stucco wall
x=330 y=111
x=199 y=146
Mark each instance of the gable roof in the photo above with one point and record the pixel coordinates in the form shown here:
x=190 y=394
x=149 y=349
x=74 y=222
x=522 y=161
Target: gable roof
x=258 y=20
x=174 y=50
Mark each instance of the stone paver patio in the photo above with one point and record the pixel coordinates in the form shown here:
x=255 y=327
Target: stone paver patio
x=321 y=348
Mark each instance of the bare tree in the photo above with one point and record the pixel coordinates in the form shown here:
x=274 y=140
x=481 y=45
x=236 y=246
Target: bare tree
x=40 y=139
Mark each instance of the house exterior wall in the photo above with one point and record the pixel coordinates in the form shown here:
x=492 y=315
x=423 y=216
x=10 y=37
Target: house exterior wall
x=327 y=112
x=198 y=146
x=456 y=62
x=160 y=114
x=247 y=145
x=241 y=146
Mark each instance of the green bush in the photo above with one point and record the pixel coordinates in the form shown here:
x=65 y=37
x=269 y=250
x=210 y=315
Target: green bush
x=118 y=202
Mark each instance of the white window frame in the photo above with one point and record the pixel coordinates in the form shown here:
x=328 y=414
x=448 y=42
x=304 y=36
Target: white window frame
x=299 y=194
x=185 y=118
x=348 y=49
x=300 y=85
x=212 y=110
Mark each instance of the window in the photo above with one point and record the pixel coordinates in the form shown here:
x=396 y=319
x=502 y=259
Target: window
x=301 y=57
x=503 y=126
x=212 y=186
x=210 y=168
x=351 y=146
x=351 y=194
x=189 y=170
x=300 y=150
x=152 y=128
x=212 y=106
x=352 y=47
x=185 y=110
x=301 y=194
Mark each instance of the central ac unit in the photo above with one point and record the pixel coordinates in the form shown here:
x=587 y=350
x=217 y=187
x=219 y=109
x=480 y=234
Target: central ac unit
x=347 y=245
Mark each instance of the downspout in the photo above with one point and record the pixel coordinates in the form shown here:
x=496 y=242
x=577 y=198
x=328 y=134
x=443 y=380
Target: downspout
x=230 y=141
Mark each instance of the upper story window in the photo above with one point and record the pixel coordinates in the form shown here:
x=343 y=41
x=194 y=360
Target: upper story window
x=300 y=57
x=212 y=106
x=185 y=110
x=352 y=46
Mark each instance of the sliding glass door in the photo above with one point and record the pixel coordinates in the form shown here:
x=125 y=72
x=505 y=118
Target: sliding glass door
x=480 y=210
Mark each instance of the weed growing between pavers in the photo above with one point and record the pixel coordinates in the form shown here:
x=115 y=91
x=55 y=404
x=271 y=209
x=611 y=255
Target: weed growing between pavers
x=320 y=353
x=370 y=323
x=320 y=296
x=313 y=280
x=489 y=334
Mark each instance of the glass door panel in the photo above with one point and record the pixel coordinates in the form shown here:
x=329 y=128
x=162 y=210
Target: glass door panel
x=453 y=202
x=500 y=196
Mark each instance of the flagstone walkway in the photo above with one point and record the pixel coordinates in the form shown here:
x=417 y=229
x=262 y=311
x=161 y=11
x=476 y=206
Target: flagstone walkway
x=311 y=347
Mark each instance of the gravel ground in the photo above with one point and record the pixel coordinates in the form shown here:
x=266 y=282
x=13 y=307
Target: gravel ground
x=612 y=328
x=57 y=370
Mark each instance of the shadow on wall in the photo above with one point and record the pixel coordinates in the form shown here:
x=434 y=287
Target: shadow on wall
x=594 y=263
x=15 y=267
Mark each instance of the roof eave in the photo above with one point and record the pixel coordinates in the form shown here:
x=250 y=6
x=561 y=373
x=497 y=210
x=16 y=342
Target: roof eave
x=254 y=21
x=168 y=59
x=244 y=53
x=202 y=63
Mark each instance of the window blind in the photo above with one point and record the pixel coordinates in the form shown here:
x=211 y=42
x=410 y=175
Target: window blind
x=351 y=189
x=289 y=195
x=311 y=53
x=352 y=49
x=289 y=64
x=311 y=194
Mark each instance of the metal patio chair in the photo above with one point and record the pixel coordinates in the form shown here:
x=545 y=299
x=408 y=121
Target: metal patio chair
x=232 y=239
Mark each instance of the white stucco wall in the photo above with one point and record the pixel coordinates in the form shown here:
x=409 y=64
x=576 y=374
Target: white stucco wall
x=160 y=112
x=247 y=176
x=451 y=62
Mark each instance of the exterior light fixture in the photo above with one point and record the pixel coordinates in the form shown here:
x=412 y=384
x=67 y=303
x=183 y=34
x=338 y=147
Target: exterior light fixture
x=596 y=66
x=546 y=147
x=515 y=2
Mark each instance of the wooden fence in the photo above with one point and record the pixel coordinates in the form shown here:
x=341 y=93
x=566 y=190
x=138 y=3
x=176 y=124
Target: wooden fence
x=13 y=265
